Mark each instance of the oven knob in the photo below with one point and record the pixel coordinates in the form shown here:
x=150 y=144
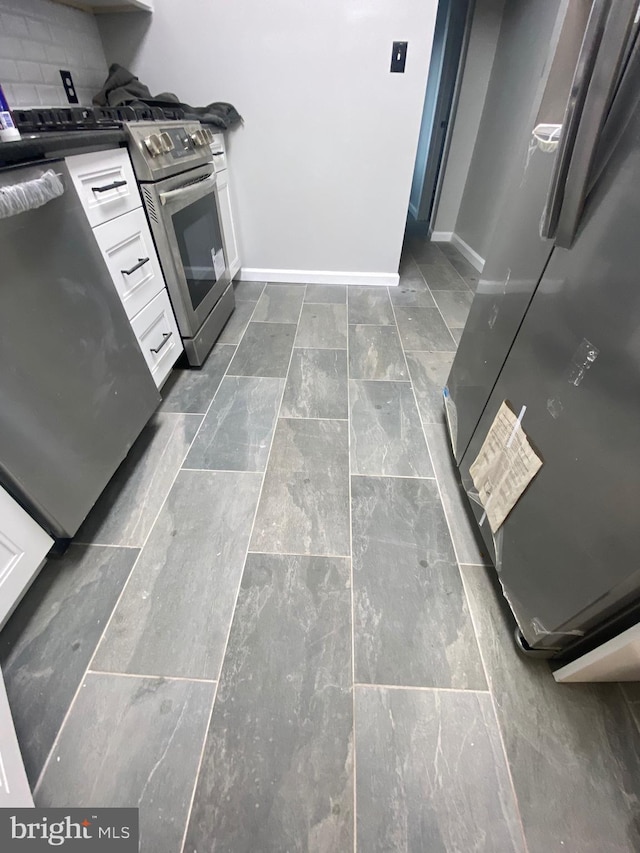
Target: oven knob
x=167 y=142
x=208 y=135
x=153 y=144
x=198 y=138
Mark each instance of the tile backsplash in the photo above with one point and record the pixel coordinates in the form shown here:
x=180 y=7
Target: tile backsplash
x=37 y=39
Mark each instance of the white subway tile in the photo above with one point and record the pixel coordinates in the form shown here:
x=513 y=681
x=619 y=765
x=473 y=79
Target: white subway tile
x=8 y=72
x=29 y=72
x=38 y=30
x=32 y=50
x=10 y=48
x=7 y=88
x=13 y=25
x=25 y=95
x=55 y=53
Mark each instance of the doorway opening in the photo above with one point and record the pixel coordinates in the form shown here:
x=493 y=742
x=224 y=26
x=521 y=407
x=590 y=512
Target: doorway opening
x=452 y=27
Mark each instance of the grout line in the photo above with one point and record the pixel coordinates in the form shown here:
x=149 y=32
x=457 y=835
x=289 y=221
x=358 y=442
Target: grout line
x=375 y=325
x=289 y=418
x=220 y=471
x=352 y=613
x=298 y=554
x=495 y=711
x=141 y=675
x=120 y=596
x=366 y=686
x=235 y=603
x=396 y=476
x=403 y=381
x=102 y=545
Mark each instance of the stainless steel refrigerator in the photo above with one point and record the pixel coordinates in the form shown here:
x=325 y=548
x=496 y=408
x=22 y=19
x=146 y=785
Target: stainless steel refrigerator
x=75 y=390
x=555 y=328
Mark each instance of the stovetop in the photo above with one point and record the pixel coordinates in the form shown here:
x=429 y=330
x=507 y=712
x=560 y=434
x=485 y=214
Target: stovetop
x=58 y=119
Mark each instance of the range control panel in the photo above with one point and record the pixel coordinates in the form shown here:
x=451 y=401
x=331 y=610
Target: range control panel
x=160 y=150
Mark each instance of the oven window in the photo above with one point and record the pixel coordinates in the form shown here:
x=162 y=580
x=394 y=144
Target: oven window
x=200 y=243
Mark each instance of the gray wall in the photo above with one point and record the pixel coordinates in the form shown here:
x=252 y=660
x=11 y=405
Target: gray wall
x=528 y=30
x=485 y=29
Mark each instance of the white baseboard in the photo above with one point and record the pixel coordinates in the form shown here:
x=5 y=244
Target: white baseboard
x=465 y=249
x=441 y=236
x=382 y=279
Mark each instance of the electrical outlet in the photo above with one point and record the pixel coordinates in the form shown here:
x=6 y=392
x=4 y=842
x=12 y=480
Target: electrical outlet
x=399 y=57
x=70 y=89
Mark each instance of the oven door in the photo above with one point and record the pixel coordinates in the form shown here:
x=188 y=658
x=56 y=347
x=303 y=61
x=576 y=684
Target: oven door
x=185 y=217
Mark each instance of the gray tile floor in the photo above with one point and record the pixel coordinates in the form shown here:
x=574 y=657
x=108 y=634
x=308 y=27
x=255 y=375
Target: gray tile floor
x=276 y=631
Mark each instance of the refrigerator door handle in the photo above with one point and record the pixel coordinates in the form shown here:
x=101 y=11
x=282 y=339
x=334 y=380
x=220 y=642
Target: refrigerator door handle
x=604 y=81
x=572 y=114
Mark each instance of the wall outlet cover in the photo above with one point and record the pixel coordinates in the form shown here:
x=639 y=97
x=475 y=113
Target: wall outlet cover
x=399 y=57
x=69 y=88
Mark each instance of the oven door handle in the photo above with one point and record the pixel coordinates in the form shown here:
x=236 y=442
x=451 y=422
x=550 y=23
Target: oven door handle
x=201 y=188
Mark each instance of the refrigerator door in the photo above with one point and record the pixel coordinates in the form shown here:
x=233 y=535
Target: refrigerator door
x=567 y=554
x=75 y=390
x=589 y=51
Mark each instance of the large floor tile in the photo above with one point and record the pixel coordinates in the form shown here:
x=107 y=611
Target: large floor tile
x=323 y=326
x=175 y=613
x=236 y=433
x=424 y=329
x=237 y=323
x=431 y=775
x=468 y=272
x=453 y=306
x=386 y=434
x=304 y=508
x=429 y=373
x=48 y=642
x=411 y=291
x=279 y=303
x=248 y=291
x=457 y=335
x=443 y=276
x=336 y=293
x=132 y=742
x=265 y=350
x=132 y=499
x=369 y=305
x=466 y=537
x=423 y=250
x=574 y=750
x=317 y=384
x=412 y=625
x=375 y=352
x=192 y=390
x=277 y=768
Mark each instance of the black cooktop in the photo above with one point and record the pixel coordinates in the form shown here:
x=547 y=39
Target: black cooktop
x=59 y=119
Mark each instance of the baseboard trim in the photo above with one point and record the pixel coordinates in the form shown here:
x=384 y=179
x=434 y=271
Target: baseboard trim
x=381 y=279
x=465 y=249
x=441 y=236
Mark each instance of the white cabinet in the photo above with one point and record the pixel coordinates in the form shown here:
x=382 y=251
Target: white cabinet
x=158 y=336
x=107 y=188
x=224 y=198
x=127 y=247
x=14 y=787
x=23 y=547
x=105 y=183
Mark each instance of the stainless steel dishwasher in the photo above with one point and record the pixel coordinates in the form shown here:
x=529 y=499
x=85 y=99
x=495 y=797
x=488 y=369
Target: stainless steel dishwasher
x=75 y=390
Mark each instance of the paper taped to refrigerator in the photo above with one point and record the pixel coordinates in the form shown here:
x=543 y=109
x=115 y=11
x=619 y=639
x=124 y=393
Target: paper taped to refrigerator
x=504 y=467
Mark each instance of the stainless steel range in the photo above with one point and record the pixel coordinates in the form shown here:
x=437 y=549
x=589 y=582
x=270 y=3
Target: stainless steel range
x=174 y=166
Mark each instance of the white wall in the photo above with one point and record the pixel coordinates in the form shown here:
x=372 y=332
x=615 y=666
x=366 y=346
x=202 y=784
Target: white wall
x=37 y=39
x=485 y=29
x=322 y=168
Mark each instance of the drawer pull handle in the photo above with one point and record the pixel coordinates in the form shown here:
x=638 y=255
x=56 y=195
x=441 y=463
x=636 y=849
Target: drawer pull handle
x=165 y=339
x=107 y=187
x=141 y=263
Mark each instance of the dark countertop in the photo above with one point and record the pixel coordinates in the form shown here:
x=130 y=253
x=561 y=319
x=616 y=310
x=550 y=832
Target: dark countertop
x=46 y=146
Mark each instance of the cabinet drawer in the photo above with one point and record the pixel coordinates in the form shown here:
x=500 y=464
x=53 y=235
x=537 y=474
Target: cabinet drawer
x=23 y=547
x=127 y=247
x=105 y=182
x=157 y=333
